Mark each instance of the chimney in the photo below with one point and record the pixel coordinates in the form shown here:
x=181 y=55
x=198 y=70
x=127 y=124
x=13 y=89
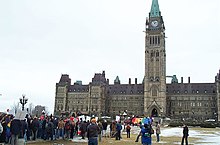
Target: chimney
x=181 y=80
x=136 y=81
x=107 y=81
x=103 y=73
x=129 y=81
x=189 y=80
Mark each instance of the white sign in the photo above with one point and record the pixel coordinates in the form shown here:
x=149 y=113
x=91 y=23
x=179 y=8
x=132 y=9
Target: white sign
x=117 y=118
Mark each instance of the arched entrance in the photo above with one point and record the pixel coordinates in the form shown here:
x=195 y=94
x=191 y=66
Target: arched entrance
x=154 y=113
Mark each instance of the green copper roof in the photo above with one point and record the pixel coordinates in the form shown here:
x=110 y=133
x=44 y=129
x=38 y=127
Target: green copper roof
x=117 y=79
x=155 y=10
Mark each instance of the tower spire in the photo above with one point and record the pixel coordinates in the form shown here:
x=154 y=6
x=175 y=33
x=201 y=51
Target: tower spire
x=155 y=10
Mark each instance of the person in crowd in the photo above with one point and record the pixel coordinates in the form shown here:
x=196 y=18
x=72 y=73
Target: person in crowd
x=104 y=125
x=145 y=134
x=141 y=126
x=44 y=123
x=61 y=125
x=113 y=129
x=185 y=134
x=72 y=129
x=158 y=131
x=92 y=132
x=7 y=130
x=128 y=130
x=1 y=127
x=34 y=127
x=77 y=127
x=100 y=131
x=83 y=128
x=55 y=127
x=67 y=128
x=24 y=127
x=49 y=129
x=28 y=132
x=39 y=131
x=15 y=130
x=2 y=130
x=118 y=130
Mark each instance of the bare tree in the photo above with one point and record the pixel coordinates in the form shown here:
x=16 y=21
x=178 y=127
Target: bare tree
x=15 y=107
x=31 y=108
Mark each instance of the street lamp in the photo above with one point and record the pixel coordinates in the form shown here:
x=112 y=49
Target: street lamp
x=23 y=101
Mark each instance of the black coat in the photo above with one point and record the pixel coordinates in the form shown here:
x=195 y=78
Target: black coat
x=35 y=125
x=3 y=135
x=104 y=124
x=16 y=127
x=185 y=131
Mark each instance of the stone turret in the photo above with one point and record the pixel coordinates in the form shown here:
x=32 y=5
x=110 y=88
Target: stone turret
x=61 y=94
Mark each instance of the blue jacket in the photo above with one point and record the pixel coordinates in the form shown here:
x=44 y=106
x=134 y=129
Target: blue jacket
x=118 y=127
x=145 y=135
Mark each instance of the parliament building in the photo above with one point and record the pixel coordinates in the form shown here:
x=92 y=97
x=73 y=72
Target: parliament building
x=153 y=97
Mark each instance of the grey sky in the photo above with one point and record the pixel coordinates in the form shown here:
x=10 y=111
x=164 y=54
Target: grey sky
x=40 y=40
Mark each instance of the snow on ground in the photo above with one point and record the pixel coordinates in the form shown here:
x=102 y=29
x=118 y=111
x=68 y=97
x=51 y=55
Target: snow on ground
x=211 y=137
x=79 y=139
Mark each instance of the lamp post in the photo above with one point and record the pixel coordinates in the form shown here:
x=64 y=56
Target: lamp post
x=23 y=101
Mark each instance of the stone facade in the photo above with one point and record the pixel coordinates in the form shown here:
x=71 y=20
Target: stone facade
x=155 y=66
x=196 y=101
x=153 y=97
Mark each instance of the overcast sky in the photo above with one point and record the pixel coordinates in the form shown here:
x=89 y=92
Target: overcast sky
x=40 y=40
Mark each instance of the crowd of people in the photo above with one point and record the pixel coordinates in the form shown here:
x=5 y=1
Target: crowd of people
x=45 y=127
x=52 y=128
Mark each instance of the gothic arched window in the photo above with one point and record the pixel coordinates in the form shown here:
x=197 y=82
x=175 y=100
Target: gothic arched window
x=158 y=40
x=157 y=54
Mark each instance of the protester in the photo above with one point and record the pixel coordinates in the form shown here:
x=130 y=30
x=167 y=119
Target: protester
x=83 y=128
x=55 y=127
x=15 y=129
x=128 y=130
x=24 y=127
x=104 y=125
x=5 y=135
x=34 y=127
x=2 y=130
x=67 y=129
x=28 y=132
x=114 y=132
x=49 y=129
x=100 y=131
x=145 y=134
x=39 y=132
x=61 y=125
x=44 y=122
x=7 y=129
x=158 y=131
x=185 y=134
x=72 y=129
x=92 y=133
x=118 y=129
x=137 y=138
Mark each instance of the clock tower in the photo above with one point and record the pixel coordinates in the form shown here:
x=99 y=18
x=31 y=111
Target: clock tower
x=155 y=64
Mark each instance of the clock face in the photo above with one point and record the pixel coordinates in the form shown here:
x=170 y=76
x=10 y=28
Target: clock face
x=154 y=23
